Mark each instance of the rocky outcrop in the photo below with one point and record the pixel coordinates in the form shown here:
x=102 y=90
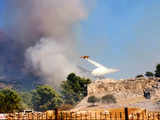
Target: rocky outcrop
x=128 y=93
x=125 y=88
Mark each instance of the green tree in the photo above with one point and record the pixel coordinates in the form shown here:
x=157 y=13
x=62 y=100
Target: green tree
x=2 y=102
x=92 y=99
x=157 y=71
x=26 y=99
x=45 y=97
x=74 y=88
x=10 y=101
x=149 y=74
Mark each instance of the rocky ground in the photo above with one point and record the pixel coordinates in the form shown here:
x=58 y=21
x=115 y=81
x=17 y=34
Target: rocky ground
x=128 y=93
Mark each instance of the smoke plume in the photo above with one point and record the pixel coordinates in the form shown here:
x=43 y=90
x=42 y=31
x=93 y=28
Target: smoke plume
x=44 y=30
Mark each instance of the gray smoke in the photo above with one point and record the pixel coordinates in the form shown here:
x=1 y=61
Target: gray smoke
x=44 y=29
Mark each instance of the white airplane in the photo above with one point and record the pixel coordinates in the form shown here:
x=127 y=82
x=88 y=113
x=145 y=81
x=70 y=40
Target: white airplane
x=100 y=70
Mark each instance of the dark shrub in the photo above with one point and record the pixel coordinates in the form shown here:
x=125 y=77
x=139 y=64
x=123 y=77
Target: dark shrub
x=149 y=74
x=108 y=99
x=139 y=76
x=92 y=99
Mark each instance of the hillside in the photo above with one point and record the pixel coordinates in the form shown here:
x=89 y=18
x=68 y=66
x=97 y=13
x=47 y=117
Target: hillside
x=128 y=93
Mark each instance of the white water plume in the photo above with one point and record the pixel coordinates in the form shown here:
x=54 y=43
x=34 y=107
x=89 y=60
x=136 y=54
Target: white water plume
x=101 y=70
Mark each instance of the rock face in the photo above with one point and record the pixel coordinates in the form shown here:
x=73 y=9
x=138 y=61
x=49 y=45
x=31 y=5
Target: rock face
x=125 y=88
x=128 y=93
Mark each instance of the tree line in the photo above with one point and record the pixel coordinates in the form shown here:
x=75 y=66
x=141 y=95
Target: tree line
x=45 y=97
x=156 y=73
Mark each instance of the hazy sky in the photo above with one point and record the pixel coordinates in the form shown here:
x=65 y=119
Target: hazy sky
x=122 y=34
